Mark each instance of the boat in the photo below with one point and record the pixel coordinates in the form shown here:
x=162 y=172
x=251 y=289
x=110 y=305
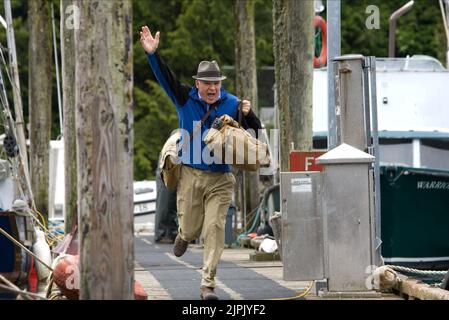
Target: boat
x=14 y=262
x=145 y=193
x=415 y=216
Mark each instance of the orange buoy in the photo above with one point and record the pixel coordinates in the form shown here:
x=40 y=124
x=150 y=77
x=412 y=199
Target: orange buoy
x=66 y=276
x=320 y=61
x=139 y=292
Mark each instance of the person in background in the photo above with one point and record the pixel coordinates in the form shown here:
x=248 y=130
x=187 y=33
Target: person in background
x=166 y=224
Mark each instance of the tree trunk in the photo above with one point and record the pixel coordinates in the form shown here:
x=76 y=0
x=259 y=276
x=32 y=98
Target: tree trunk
x=246 y=76
x=39 y=87
x=68 y=107
x=293 y=55
x=104 y=125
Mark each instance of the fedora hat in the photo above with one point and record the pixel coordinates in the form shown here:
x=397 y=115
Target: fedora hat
x=209 y=71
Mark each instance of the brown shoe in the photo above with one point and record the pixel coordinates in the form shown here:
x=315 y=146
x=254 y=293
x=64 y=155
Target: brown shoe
x=207 y=293
x=180 y=246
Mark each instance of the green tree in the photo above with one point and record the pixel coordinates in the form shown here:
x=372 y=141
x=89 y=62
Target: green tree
x=420 y=31
x=158 y=15
x=204 y=31
x=20 y=16
x=155 y=118
x=21 y=30
x=263 y=16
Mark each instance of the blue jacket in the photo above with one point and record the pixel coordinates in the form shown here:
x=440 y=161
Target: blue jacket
x=191 y=107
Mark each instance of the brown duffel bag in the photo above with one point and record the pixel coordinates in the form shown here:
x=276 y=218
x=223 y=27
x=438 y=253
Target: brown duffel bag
x=235 y=146
x=169 y=162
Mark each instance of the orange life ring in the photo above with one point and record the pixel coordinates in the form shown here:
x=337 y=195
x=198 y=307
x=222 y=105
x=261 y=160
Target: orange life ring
x=319 y=22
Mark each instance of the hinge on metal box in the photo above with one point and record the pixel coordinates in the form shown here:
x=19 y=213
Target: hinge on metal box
x=344 y=68
x=366 y=63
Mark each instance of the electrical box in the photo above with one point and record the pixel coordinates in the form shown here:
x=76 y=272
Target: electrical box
x=302 y=226
x=348 y=209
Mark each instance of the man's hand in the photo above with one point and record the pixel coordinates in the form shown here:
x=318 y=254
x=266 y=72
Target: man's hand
x=246 y=107
x=149 y=43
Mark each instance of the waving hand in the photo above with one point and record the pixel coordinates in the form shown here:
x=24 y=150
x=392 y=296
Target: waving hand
x=149 y=43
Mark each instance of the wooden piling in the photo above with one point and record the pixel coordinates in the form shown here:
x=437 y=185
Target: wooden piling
x=104 y=122
x=415 y=289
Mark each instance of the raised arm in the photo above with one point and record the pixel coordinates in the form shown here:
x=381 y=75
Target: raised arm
x=177 y=92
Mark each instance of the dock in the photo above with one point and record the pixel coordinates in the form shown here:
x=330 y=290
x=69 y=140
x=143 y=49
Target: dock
x=166 y=277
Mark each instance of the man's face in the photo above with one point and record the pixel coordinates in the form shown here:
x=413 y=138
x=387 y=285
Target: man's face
x=209 y=90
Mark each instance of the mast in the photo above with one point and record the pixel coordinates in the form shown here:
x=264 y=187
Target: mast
x=55 y=47
x=18 y=108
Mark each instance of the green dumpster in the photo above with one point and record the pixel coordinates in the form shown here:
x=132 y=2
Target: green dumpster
x=415 y=216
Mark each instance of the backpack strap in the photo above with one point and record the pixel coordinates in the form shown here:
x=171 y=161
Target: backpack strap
x=203 y=119
x=198 y=126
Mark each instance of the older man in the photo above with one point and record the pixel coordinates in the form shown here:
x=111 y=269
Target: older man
x=205 y=189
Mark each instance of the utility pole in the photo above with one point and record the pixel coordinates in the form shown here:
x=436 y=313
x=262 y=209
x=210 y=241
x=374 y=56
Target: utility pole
x=246 y=77
x=68 y=106
x=104 y=126
x=39 y=98
x=333 y=50
x=293 y=56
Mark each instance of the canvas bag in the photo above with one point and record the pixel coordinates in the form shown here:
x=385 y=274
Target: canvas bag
x=236 y=146
x=169 y=163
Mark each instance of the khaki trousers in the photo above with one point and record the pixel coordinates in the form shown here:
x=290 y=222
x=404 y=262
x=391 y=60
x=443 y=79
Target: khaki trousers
x=203 y=200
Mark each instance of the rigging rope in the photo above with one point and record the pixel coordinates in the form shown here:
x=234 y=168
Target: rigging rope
x=417 y=271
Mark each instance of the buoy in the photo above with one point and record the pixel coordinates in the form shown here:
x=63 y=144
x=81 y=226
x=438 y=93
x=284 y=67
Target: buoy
x=42 y=251
x=139 y=292
x=66 y=275
x=319 y=22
